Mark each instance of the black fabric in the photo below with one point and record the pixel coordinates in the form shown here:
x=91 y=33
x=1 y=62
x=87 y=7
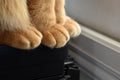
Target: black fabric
x=41 y=62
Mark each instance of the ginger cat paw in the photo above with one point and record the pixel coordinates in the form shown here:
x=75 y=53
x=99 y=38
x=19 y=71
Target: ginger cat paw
x=60 y=20
x=55 y=37
x=72 y=27
x=22 y=39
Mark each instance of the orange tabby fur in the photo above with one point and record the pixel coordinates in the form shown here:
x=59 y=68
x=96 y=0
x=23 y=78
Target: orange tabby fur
x=43 y=17
x=15 y=27
x=21 y=30
x=71 y=26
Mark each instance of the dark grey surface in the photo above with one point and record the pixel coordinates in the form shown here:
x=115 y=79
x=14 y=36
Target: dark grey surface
x=41 y=62
x=83 y=76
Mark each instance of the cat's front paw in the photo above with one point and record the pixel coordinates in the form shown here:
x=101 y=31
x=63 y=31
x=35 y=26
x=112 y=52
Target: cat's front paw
x=55 y=37
x=72 y=27
x=23 y=39
x=60 y=20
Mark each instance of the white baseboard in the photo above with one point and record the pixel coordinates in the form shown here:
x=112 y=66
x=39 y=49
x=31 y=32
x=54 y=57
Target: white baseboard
x=97 y=54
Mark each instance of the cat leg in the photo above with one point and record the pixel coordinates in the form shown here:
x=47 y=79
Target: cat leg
x=15 y=27
x=71 y=25
x=43 y=17
x=60 y=12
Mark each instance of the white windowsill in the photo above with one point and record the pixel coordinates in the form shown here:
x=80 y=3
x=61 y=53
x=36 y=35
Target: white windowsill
x=102 y=39
x=98 y=54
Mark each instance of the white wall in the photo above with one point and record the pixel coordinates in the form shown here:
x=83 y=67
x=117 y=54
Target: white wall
x=102 y=15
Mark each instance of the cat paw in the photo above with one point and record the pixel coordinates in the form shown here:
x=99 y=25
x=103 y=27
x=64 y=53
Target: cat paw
x=23 y=39
x=55 y=37
x=60 y=20
x=72 y=27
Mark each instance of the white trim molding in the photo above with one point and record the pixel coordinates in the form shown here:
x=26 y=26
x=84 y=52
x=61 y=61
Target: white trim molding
x=96 y=54
x=102 y=39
